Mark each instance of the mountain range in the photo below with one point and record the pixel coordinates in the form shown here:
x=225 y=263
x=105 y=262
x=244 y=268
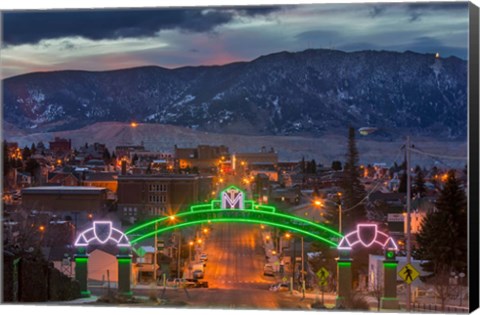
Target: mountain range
x=308 y=93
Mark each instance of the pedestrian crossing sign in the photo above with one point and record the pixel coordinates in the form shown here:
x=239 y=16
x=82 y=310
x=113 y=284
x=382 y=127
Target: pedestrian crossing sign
x=408 y=273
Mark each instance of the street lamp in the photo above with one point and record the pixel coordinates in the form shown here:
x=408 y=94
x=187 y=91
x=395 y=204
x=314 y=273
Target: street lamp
x=190 y=251
x=339 y=194
x=409 y=229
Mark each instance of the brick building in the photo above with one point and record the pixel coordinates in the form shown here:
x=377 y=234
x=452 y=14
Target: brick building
x=204 y=157
x=65 y=199
x=144 y=196
x=60 y=146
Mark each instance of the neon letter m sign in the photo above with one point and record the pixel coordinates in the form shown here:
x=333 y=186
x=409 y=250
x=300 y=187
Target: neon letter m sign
x=232 y=199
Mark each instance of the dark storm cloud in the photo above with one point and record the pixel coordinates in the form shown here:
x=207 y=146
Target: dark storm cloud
x=317 y=35
x=377 y=10
x=417 y=10
x=31 y=27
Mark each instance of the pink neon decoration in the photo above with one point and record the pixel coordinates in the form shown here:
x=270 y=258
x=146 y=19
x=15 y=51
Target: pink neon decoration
x=99 y=225
x=367 y=235
x=92 y=235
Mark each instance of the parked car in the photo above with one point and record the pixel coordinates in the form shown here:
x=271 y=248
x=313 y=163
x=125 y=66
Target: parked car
x=186 y=283
x=279 y=287
x=203 y=257
x=199 y=283
x=268 y=270
x=198 y=274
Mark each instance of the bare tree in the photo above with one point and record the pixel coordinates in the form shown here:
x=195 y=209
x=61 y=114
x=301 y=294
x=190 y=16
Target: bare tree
x=441 y=284
x=377 y=291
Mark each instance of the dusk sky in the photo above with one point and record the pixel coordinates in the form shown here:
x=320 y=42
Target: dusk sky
x=113 y=39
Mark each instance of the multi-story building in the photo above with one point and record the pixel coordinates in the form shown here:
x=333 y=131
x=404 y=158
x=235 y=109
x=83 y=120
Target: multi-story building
x=60 y=146
x=253 y=159
x=205 y=158
x=101 y=179
x=145 y=196
x=65 y=199
x=125 y=151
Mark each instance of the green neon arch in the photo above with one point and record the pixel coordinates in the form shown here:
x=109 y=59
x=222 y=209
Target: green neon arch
x=277 y=215
x=208 y=212
x=231 y=220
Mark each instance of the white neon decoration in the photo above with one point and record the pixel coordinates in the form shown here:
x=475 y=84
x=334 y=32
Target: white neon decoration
x=232 y=198
x=375 y=237
x=93 y=235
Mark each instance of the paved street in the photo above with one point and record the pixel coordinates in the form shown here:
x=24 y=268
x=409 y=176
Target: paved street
x=234 y=272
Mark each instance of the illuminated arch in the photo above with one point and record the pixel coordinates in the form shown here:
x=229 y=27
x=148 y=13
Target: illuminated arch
x=233 y=207
x=233 y=220
x=374 y=236
x=100 y=233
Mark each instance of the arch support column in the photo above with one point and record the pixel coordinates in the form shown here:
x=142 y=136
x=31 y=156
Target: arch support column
x=389 y=299
x=344 y=277
x=124 y=274
x=81 y=273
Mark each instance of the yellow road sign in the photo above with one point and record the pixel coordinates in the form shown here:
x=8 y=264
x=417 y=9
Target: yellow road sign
x=322 y=275
x=408 y=273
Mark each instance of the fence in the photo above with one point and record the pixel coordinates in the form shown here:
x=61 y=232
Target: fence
x=425 y=307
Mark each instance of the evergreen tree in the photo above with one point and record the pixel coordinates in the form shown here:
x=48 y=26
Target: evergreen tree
x=31 y=166
x=26 y=153
x=313 y=167
x=106 y=156
x=7 y=163
x=302 y=165
x=33 y=149
x=336 y=165
x=134 y=159
x=402 y=187
x=443 y=233
x=353 y=189
x=420 y=188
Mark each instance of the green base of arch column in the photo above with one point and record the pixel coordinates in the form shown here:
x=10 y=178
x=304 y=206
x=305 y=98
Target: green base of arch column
x=81 y=273
x=126 y=294
x=124 y=275
x=344 y=279
x=389 y=303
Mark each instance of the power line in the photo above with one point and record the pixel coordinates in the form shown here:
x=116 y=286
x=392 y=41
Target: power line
x=374 y=188
x=438 y=155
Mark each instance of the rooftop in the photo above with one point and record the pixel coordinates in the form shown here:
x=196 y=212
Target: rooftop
x=63 y=190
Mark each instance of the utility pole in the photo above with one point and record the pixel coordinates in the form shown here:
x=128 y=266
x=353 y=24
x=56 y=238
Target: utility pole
x=155 y=255
x=294 y=257
x=340 y=216
x=409 y=232
x=178 y=253
x=303 y=272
